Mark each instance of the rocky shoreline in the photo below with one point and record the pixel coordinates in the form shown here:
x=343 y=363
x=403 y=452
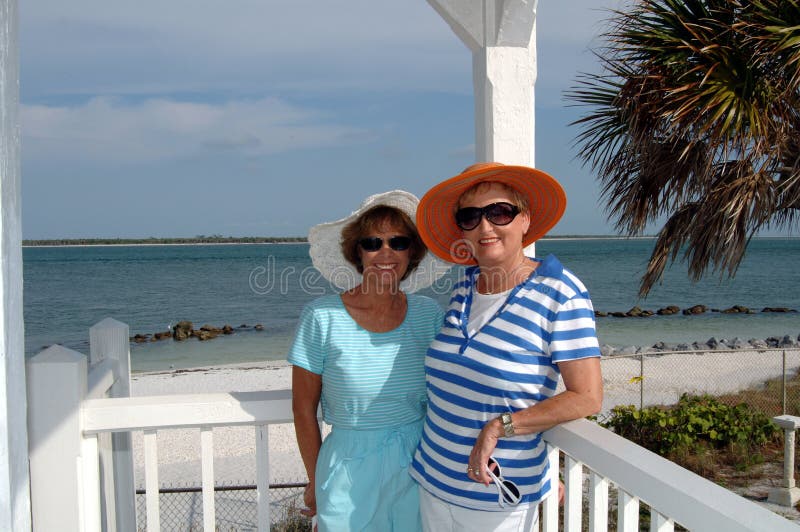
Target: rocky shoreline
x=694 y=310
x=712 y=344
x=184 y=330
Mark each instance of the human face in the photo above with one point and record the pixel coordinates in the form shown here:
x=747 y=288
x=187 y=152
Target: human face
x=385 y=266
x=495 y=245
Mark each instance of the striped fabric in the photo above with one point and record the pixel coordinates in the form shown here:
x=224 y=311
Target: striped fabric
x=510 y=364
x=369 y=380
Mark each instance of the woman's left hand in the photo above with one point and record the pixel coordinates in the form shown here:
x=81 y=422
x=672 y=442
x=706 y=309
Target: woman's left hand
x=482 y=450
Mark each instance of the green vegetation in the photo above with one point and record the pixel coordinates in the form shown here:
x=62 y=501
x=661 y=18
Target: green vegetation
x=700 y=433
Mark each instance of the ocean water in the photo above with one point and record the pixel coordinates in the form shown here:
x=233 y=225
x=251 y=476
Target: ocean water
x=151 y=288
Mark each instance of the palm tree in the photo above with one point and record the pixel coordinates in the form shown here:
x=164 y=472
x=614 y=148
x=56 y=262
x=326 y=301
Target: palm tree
x=695 y=120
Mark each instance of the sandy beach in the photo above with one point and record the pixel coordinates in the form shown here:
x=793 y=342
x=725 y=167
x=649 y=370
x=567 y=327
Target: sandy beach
x=666 y=378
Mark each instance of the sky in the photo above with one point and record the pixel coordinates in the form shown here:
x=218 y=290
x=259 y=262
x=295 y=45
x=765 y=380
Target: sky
x=182 y=118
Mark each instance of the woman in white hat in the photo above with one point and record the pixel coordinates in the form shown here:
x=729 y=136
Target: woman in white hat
x=514 y=324
x=361 y=355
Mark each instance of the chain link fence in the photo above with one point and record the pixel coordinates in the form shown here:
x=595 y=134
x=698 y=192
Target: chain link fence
x=236 y=510
x=766 y=379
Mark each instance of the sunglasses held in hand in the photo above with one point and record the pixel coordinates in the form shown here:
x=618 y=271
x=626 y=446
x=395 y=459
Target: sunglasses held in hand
x=507 y=491
x=500 y=213
x=374 y=243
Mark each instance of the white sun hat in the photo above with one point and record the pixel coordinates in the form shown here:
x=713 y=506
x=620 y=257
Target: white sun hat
x=326 y=250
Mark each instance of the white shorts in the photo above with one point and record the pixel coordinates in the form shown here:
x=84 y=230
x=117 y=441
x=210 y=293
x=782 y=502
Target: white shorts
x=441 y=516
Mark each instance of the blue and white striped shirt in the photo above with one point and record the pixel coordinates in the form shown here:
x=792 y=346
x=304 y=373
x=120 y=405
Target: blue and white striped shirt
x=508 y=365
x=370 y=380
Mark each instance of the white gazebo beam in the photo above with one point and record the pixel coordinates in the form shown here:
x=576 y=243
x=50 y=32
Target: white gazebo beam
x=15 y=511
x=501 y=34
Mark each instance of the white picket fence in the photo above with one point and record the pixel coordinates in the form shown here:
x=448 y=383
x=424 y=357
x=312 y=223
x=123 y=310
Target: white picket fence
x=81 y=418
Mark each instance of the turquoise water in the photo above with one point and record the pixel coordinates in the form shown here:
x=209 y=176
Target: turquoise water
x=68 y=289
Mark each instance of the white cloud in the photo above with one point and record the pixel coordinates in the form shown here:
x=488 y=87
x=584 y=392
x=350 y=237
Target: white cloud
x=106 y=130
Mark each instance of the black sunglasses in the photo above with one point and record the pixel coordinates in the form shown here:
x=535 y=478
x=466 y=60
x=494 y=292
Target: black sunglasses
x=500 y=213
x=374 y=243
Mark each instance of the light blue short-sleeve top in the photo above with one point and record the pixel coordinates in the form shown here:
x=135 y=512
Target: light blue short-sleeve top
x=369 y=380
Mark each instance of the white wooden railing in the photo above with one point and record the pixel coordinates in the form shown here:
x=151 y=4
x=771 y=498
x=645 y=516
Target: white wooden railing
x=82 y=476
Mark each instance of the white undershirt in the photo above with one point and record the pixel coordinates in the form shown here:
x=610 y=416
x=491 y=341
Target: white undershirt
x=483 y=309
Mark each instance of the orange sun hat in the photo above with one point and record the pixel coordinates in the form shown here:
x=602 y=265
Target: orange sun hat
x=436 y=220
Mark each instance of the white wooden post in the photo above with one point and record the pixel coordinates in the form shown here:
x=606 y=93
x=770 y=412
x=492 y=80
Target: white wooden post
x=57 y=385
x=109 y=340
x=501 y=34
x=15 y=504
x=549 y=507
x=788 y=494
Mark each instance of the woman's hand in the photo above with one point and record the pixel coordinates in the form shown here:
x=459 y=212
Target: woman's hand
x=482 y=450
x=310 y=500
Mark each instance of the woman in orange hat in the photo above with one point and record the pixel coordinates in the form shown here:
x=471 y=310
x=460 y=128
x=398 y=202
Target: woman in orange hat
x=514 y=325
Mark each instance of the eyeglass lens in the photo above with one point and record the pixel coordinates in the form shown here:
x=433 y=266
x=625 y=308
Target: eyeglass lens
x=500 y=213
x=374 y=243
x=507 y=491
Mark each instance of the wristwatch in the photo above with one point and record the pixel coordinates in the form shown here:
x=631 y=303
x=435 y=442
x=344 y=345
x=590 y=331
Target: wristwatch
x=508 y=425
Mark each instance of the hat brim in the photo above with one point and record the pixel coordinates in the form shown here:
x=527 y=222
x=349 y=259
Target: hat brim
x=436 y=211
x=326 y=250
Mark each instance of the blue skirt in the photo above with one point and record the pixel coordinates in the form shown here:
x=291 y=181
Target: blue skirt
x=363 y=481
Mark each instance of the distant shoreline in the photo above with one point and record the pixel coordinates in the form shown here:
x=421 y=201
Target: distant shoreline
x=84 y=242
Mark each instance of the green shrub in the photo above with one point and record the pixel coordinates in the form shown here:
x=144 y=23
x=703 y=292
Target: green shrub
x=695 y=422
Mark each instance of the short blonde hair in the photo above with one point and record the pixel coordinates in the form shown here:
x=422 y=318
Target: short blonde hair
x=517 y=198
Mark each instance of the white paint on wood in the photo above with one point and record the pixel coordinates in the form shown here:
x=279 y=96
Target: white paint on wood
x=151 y=486
x=15 y=500
x=262 y=476
x=109 y=348
x=207 y=477
x=688 y=499
x=598 y=503
x=549 y=517
x=660 y=523
x=627 y=512
x=187 y=411
x=57 y=381
x=90 y=485
x=573 y=483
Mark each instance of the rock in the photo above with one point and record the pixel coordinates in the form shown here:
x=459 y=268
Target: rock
x=607 y=350
x=618 y=314
x=786 y=341
x=205 y=334
x=629 y=350
x=227 y=329
x=696 y=309
x=259 y=327
x=773 y=341
x=600 y=314
x=634 y=312
x=210 y=328
x=777 y=309
x=712 y=343
x=660 y=345
x=737 y=309
x=668 y=311
x=162 y=335
x=243 y=326
x=758 y=343
x=182 y=330
x=737 y=343
x=139 y=338
x=683 y=347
